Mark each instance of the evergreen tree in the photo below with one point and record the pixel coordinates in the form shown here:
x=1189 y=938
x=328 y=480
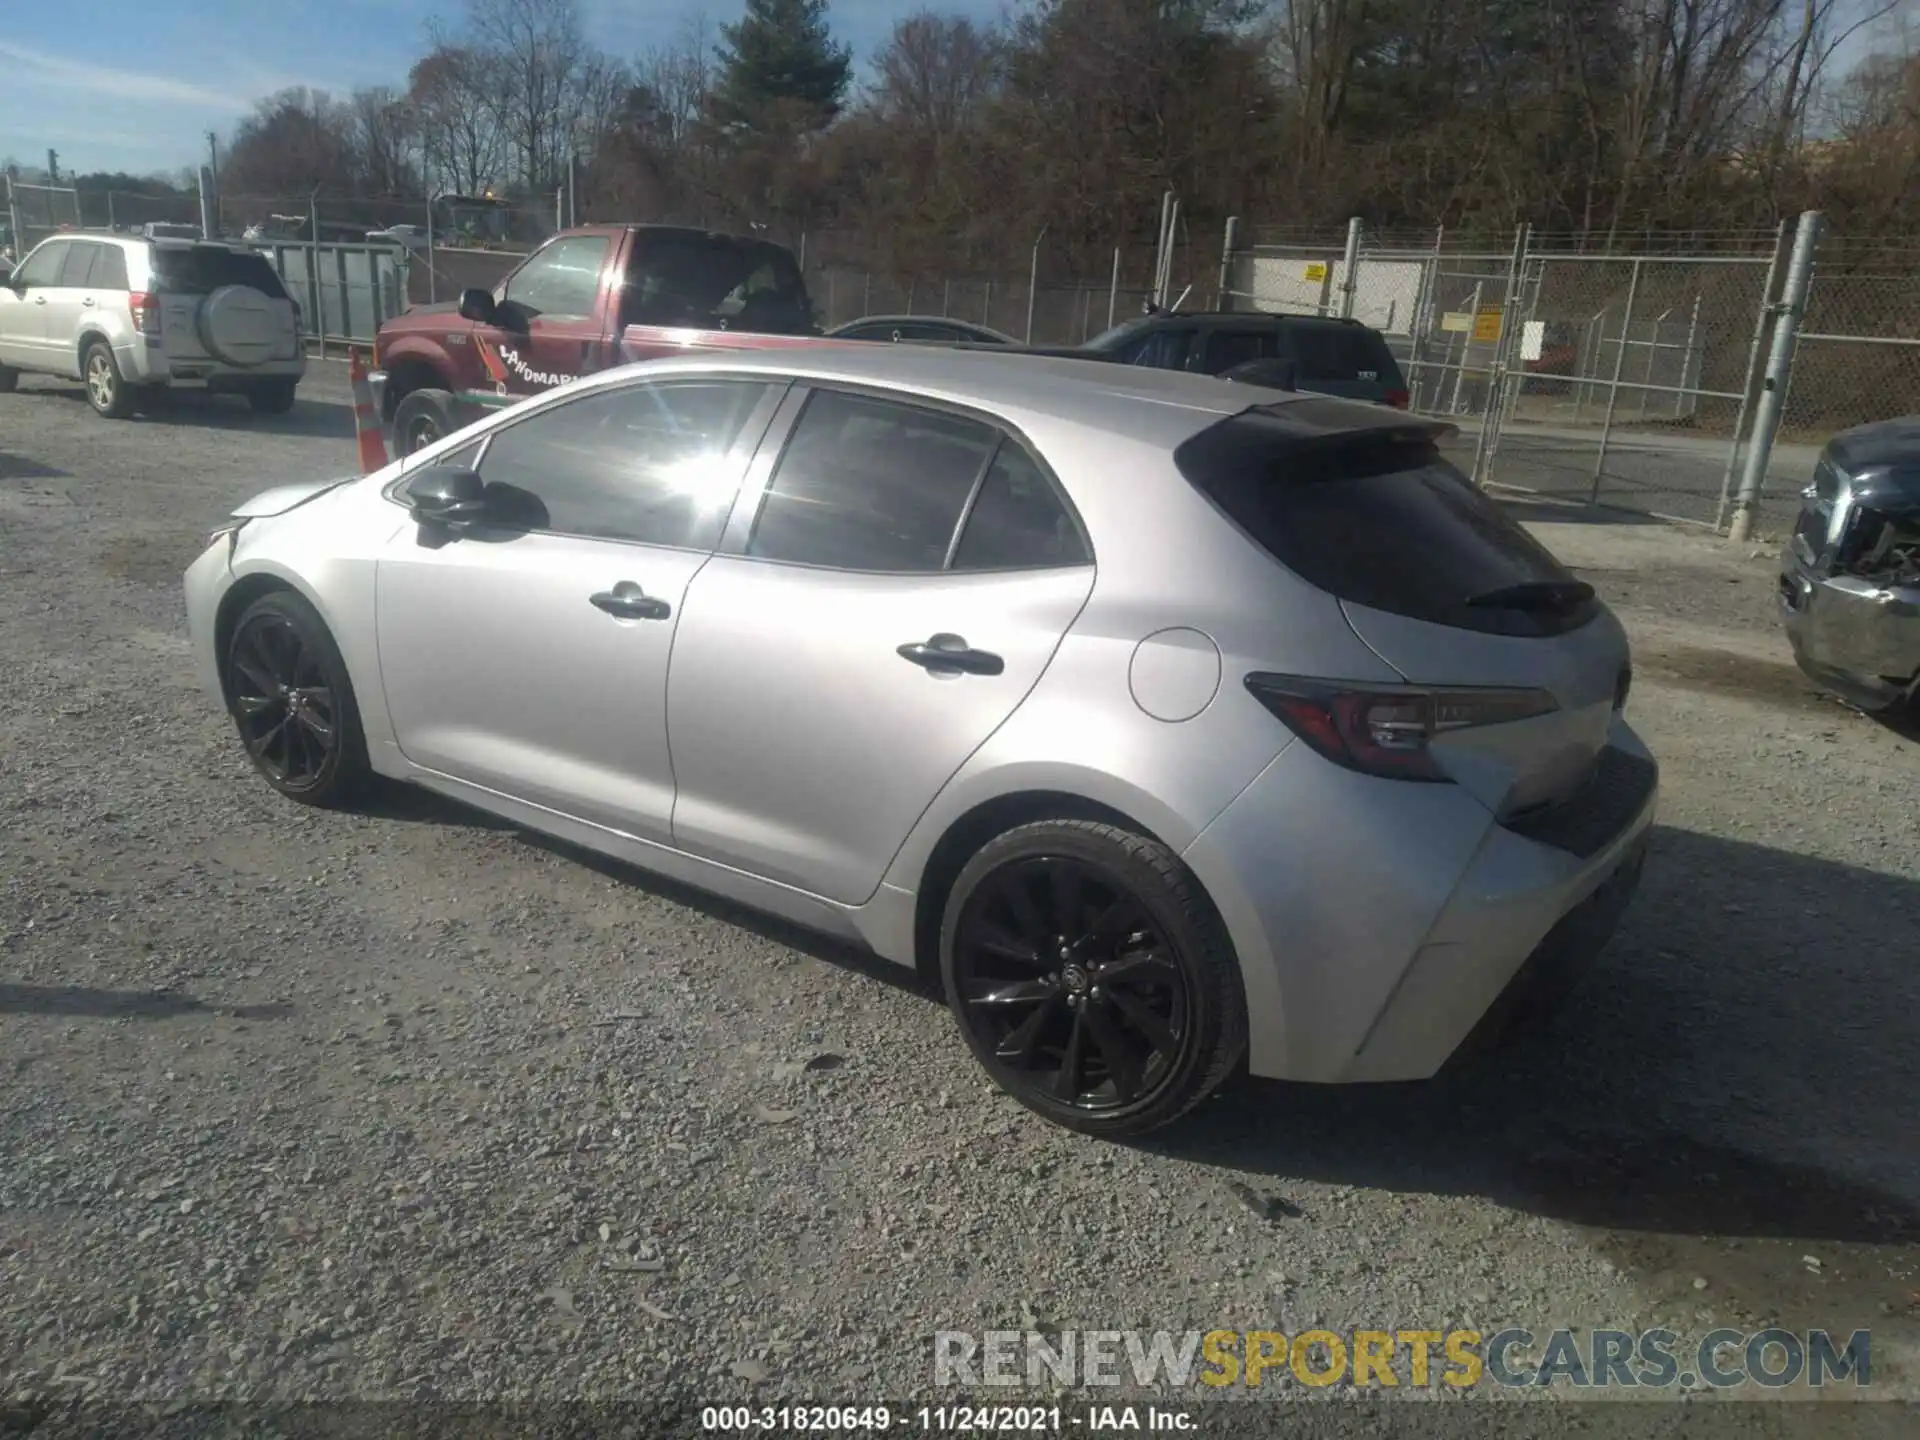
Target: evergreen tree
x=780 y=56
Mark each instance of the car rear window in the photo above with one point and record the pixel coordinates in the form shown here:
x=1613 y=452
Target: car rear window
x=203 y=269
x=1341 y=352
x=1380 y=518
x=716 y=280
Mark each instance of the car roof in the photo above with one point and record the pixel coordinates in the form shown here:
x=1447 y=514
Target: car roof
x=1159 y=406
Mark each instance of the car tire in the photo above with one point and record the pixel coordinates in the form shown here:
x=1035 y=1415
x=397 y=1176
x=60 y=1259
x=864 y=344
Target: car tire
x=422 y=418
x=1129 y=1004
x=272 y=397
x=9 y=380
x=107 y=390
x=293 y=704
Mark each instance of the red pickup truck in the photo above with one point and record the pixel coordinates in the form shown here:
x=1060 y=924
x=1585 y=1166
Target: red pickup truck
x=586 y=300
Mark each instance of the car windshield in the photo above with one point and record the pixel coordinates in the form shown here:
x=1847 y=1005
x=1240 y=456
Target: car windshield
x=1119 y=334
x=709 y=279
x=202 y=269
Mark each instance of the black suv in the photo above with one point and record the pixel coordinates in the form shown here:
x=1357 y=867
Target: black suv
x=1328 y=356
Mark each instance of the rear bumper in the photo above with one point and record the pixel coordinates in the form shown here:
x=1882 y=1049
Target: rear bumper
x=1377 y=922
x=144 y=364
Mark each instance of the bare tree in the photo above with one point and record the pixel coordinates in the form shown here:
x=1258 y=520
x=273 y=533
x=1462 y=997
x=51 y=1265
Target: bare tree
x=455 y=110
x=386 y=139
x=545 y=69
x=935 y=74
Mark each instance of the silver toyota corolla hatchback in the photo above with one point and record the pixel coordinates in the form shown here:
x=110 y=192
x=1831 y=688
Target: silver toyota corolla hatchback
x=1173 y=724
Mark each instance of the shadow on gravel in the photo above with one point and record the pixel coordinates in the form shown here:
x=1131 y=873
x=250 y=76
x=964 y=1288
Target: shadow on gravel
x=1748 y=1026
x=81 y=1001
x=1530 y=511
x=826 y=948
x=20 y=467
x=197 y=410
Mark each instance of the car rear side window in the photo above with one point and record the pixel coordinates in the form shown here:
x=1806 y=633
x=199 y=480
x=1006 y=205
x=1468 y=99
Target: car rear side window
x=870 y=485
x=1341 y=352
x=1379 y=518
x=715 y=281
x=650 y=464
x=1228 y=348
x=110 y=269
x=77 y=271
x=1018 y=521
x=203 y=269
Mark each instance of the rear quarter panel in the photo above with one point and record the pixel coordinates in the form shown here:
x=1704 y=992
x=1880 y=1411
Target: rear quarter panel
x=1182 y=608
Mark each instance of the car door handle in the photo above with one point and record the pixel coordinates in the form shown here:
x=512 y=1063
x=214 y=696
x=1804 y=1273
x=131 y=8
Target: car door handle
x=87 y=301
x=39 y=299
x=951 y=652
x=627 y=601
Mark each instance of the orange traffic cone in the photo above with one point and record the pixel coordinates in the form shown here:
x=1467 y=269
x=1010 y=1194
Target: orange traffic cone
x=366 y=419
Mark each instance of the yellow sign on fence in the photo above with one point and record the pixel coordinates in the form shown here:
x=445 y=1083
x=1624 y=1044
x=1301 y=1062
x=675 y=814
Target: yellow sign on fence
x=1316 y=271
x=1486 y=325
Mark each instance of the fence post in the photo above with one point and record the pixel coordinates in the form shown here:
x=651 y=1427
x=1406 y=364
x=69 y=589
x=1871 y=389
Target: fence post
x=986 y=306
x=1613 y=390
x=1227 y=247
x=1786 y=332
x=1760 y=318
x=1488 y=444
x=1033 y=280
x=209 y=223
x=432 y=287
x=1113 y=288
x=866 y=303
x=1161 y=257
x=1466 y=350
x=1350 y=261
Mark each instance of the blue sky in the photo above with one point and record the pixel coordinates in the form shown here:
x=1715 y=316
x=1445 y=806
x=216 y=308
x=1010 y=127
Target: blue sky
x=136 y=84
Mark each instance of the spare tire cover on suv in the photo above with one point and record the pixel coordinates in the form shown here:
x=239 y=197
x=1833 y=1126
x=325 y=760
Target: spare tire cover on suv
x=240 y=325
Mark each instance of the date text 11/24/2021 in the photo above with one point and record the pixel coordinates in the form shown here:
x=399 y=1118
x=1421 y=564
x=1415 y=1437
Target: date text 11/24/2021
x=946 y=1419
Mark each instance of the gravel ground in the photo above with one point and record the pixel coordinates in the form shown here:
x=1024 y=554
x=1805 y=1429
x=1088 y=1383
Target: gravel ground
x=412 y=1104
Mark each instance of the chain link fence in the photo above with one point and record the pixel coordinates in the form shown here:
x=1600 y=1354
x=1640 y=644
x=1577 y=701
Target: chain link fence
x=1623 y=379
x=36 y=211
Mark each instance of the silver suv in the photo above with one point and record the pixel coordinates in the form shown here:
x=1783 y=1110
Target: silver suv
x=134 y=316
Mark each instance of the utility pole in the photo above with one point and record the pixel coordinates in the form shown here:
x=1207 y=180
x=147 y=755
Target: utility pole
x=213 y=180
x=53 y=167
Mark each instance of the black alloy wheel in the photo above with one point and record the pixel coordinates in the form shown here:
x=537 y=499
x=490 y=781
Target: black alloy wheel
x=291 y=702
x=1090 y=977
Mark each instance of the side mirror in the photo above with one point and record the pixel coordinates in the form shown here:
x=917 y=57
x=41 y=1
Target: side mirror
x=447 y=495
x=477 y=306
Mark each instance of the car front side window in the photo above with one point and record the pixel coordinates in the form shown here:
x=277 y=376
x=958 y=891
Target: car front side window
x=43 y=266
x=649 y=464
x=561 y=282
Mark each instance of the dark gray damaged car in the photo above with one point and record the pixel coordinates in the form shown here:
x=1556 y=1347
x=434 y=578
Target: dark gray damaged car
x=1850 y=576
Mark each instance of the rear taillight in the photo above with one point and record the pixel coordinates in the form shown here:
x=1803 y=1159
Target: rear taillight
x=1388 y=730
x=1399 y=399
x=145 y=308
